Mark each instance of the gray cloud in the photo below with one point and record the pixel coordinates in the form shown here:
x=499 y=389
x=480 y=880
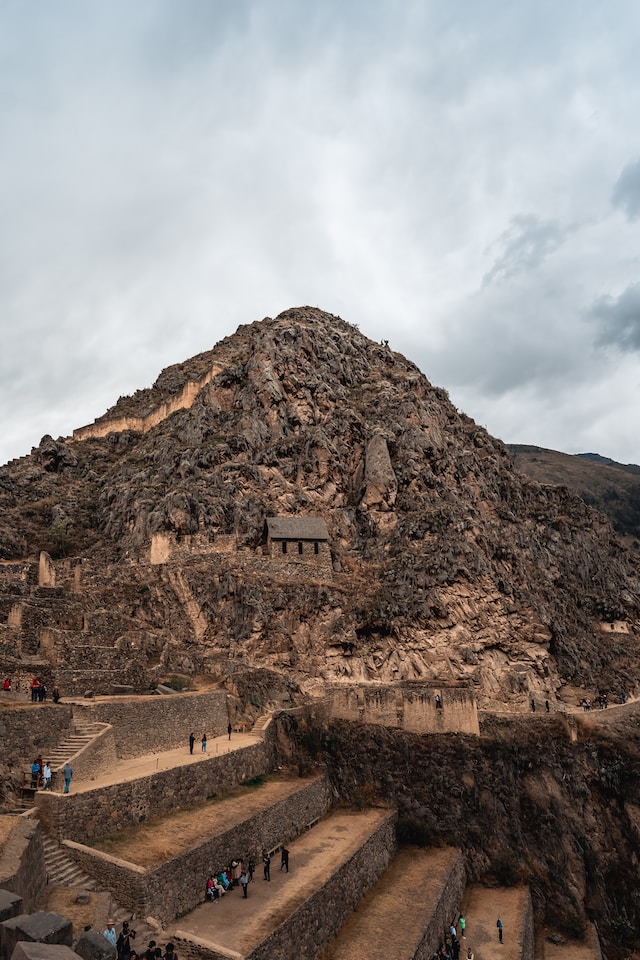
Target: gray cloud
x=172 y=170
x=626 y=192
x=525 y=245
x=617 y=319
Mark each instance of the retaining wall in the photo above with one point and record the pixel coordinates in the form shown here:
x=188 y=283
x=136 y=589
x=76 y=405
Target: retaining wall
x=309 y=928
x=97 y=756
x=155 y=723
x=22 y=866
x=30 y=729
x=109 y=809
x=446 y=905
x=177 y=886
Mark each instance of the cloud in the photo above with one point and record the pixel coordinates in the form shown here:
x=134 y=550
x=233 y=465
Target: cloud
x=525 y=245
x=617 y=319
x=626 y=192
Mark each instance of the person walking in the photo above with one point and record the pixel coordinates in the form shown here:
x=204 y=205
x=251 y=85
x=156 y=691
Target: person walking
x=192 y=740
x=204 y=743
x=67 y=771
x=463 y=926
x=284 y=860
x=266 y=861
x=499 y=926
x=229 y=728
x=244 y=880
x=46 y=773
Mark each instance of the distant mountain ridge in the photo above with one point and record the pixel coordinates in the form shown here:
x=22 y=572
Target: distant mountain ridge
x=613 y=488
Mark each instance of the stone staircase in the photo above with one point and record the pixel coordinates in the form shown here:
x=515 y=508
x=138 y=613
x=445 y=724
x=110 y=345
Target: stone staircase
x=260 y=725
x=63 y=872
x=68 y=747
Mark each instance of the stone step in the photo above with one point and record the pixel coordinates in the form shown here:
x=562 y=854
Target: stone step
x=416 y=898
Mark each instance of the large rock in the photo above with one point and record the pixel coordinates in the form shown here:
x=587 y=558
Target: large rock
x=40 y=927
x=10 y=905
x=43 y=951
x=92 y=945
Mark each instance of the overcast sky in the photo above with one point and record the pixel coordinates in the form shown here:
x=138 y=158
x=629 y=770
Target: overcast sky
x=459 y=177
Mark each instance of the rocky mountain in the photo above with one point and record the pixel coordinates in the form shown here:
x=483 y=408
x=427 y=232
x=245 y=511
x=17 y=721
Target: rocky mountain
x=613 y=488
x=443 y=561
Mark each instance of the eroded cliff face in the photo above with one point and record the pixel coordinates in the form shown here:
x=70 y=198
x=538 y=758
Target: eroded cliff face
x=525 y=802
x=447 y=565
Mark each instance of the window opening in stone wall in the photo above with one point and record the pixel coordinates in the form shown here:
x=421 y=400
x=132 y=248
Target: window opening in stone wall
x=315 y=548
x=284 y=546
x=299 y=547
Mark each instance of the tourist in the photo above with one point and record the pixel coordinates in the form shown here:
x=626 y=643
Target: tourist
x=252 y=868
x=192 y=740
x=499 y=926
x=170 y=953
x=124 y=945
x=284 y=860
x=34 y=689
x=46 y=773
x=266 y=862
x=35 y=774
x=7 y=685
x=55 y=693
x=67 y=771
x=229 y=728
x=110 y=933
x=211 y=892
x=533 y=705
x=244 y=881
x=204 y=743
x=235 y=872
x=150 y=952
x=470 y=954
x=463 y=926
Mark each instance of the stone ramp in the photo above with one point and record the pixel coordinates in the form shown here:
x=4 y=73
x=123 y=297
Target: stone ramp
x=481 y=907
x=403 y=917
x=296 y=913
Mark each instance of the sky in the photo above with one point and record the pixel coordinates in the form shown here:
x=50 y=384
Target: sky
x=460 y=178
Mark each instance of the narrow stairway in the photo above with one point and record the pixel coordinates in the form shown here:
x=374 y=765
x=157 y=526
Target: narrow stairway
x=63 y=872
x=84 y=734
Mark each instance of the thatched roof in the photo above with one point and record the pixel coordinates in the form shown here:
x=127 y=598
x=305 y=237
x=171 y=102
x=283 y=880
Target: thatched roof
x=297 y=528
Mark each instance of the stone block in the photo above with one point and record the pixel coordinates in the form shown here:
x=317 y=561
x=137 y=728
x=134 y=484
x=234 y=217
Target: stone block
x=92 y=945
x=42 y=951
x=10 y=905
x=41 y=927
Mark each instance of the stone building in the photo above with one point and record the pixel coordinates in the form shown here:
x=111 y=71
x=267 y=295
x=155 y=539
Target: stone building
x=298 y=539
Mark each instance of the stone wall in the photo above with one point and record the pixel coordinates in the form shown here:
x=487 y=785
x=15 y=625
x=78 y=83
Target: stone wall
x=29 y=729
x=527 y=939
x=411 y=707
x=178 y=886
x=108 y=809
x=446 y=904
x=156 y=723
x=309 y=928
x=22 y=866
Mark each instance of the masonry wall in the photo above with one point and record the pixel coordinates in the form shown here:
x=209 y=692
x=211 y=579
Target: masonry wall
x=309 y=928
x=446 y=904
x=98 y=755
x=29 y=729
x=176 y=887
x=22 y=866
x=410 y=708
x=157 y=723
x=95 y=813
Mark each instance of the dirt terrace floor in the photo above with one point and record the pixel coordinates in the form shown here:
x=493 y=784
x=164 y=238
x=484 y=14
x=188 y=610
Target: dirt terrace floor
x=240 y=925
x=158 y=840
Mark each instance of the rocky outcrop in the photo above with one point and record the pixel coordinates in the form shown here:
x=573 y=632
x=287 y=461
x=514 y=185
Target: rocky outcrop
x=447 y=564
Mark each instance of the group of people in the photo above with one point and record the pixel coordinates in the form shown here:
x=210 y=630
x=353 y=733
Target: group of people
x=450 y=947
x=203 y=739
x=124 y=942
x=240 y=873
x=40 y=773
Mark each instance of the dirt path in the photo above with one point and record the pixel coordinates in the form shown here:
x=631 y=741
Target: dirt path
x=240 y=925
x=125 y=770
x=481 y=907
